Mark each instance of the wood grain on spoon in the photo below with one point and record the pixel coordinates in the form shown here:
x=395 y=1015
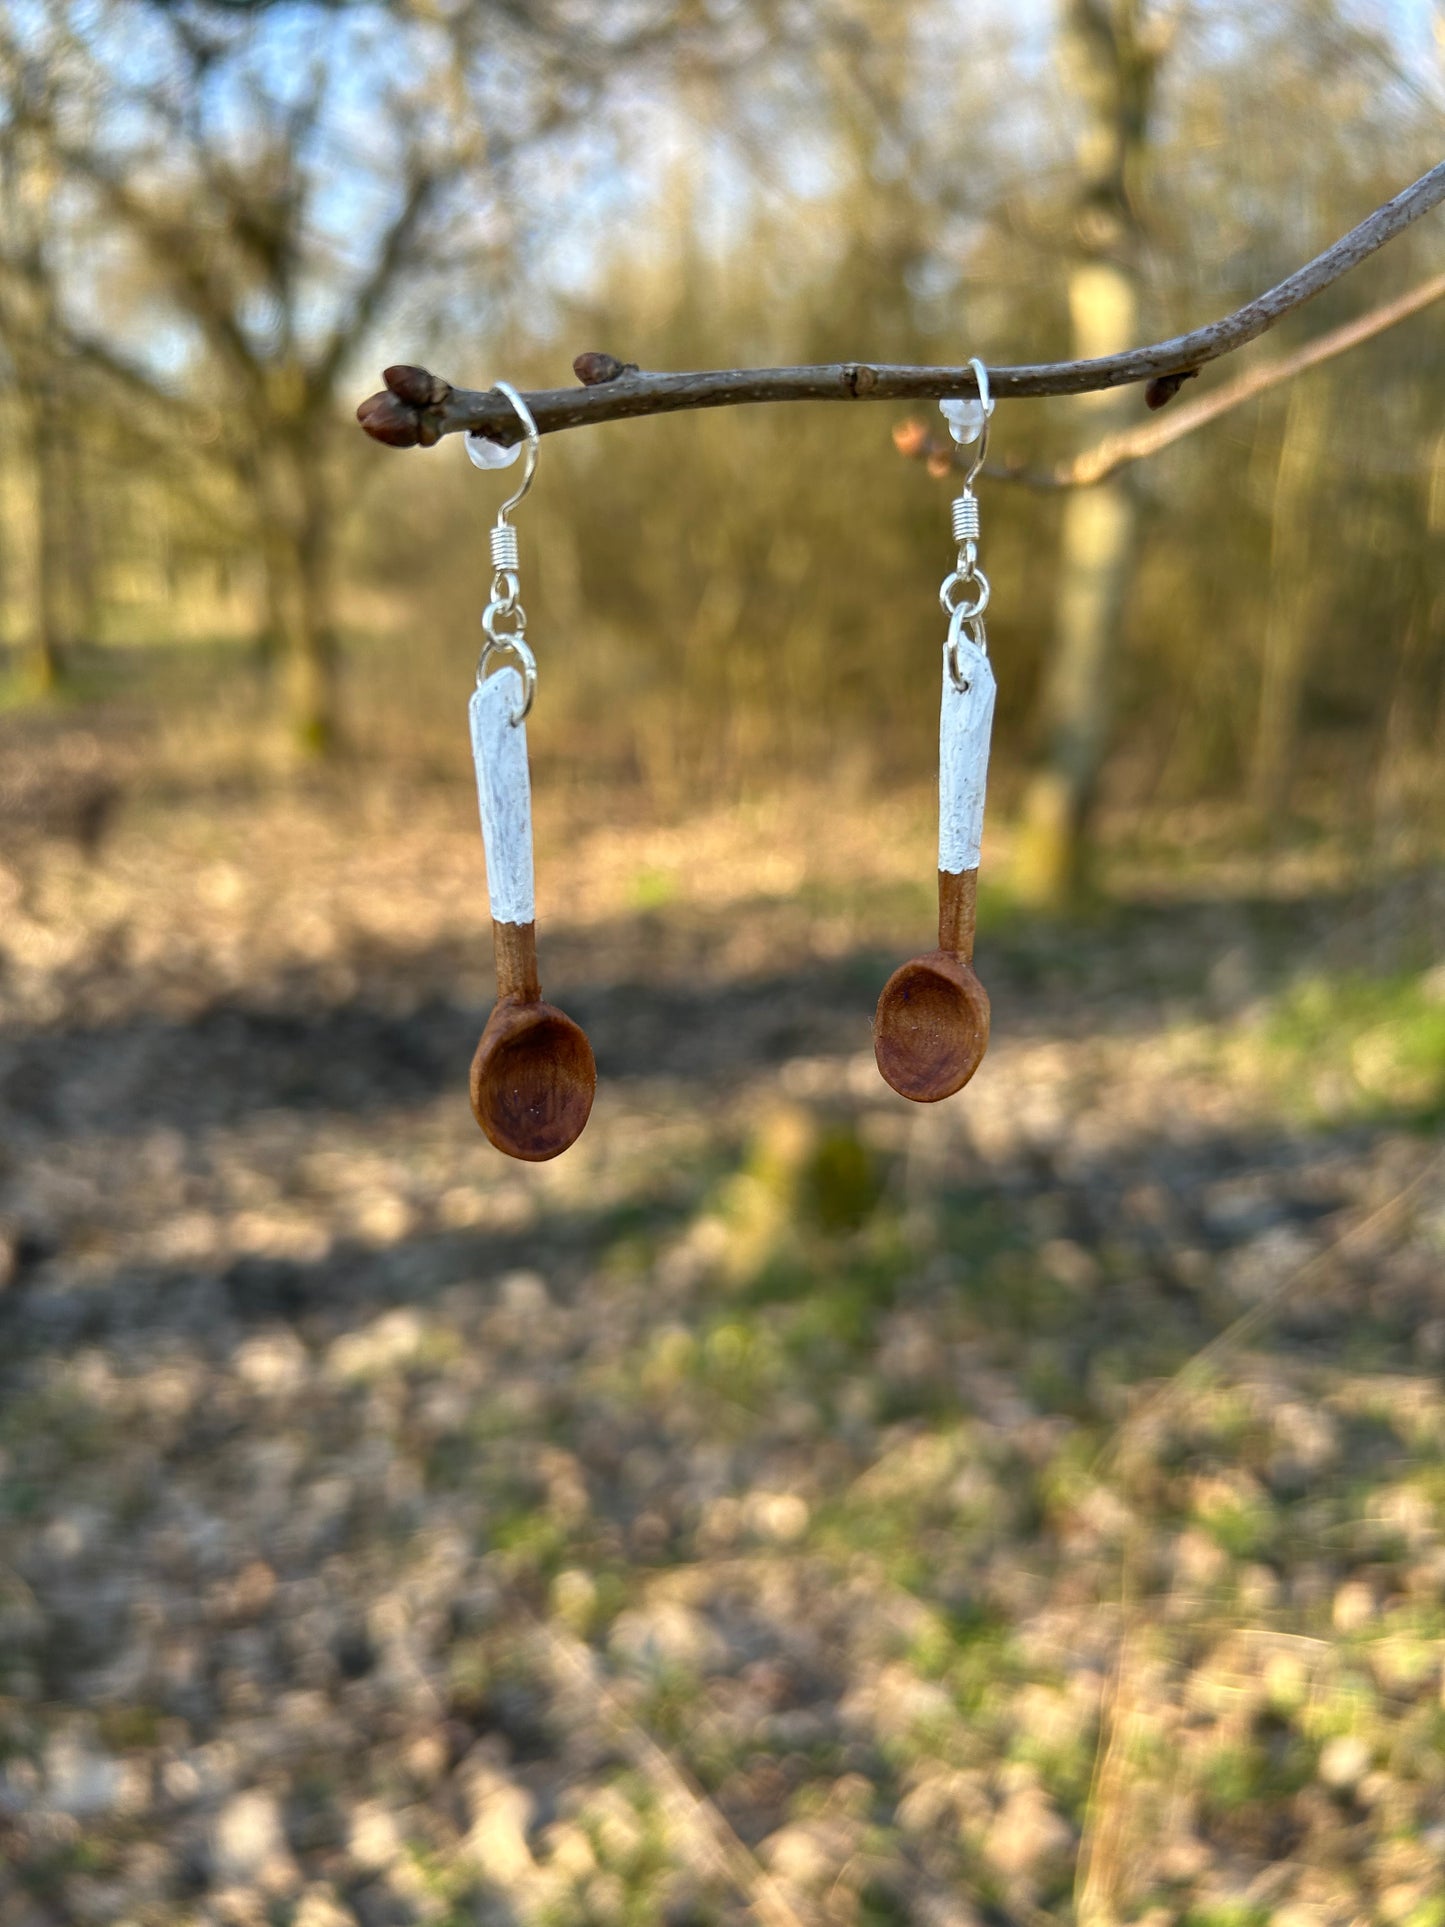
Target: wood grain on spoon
x=514 y=945
x=533 y=1076
x=932 y=1026
x=957 y=913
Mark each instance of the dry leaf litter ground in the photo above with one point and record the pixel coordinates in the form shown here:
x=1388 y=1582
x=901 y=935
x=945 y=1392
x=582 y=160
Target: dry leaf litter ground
x=760 y=1513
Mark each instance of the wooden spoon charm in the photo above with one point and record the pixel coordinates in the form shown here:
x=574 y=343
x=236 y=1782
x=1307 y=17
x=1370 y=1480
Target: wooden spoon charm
x=932 y=1024
x=534 y=1076
x=931 y=1030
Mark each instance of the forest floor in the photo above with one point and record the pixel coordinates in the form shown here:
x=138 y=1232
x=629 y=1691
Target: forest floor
x=788 y=1506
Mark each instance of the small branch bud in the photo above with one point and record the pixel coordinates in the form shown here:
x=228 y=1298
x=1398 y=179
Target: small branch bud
x=1162 y=390
x=387 y=418
x=592 y=368
x=416 y=386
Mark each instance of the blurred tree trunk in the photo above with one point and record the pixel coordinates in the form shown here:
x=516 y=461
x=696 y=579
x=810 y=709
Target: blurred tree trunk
x=1293 y=593
x=1110 y=55
x=1095 y=567
x=28 y=334
x=75 y=521
x=46 y=650
x=39 y=558
x=296 y=546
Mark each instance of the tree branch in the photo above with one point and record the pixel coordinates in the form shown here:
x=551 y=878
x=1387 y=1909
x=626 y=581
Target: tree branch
x=391 y=258
x=172 y=246
x=1114 y=452
x=420 y=408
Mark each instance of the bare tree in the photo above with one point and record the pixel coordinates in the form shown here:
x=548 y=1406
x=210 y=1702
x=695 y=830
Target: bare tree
x=48 y=538
x=1111 y=52
x=224 y=194
x=289 y=183
x=269 y=218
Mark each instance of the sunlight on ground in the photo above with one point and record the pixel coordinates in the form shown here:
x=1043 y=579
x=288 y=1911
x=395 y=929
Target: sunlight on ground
x=771 y=1505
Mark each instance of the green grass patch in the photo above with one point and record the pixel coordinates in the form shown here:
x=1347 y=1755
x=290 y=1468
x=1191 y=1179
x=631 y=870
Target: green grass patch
x=1227 y=1913
x=1365 y=1046
x=1245 y=1774
x=652 y=889
x=533 y=1541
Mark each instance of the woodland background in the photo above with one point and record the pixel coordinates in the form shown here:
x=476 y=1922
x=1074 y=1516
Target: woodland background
x=219 y=220
x=790 y=1505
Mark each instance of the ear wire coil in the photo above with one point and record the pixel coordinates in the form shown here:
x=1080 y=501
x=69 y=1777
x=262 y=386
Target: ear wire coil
x=504 y=548
x=965 y=517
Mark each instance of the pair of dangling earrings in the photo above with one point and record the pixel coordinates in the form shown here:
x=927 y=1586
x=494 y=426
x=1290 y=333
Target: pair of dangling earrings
x=533 y=1076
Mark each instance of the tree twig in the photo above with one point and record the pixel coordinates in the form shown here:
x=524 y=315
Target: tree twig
x=1114 y=452
x=419 y=408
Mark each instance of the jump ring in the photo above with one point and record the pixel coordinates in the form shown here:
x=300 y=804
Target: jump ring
x=516 y=647
x=972 y=627
x=493 y=614
x=964 y=606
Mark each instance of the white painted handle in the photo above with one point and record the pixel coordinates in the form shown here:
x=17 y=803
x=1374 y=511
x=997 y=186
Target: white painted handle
x=504 y=789
x=964 y=728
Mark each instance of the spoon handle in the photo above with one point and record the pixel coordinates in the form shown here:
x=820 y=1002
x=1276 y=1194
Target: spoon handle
x=957 y=912
x=514 y=946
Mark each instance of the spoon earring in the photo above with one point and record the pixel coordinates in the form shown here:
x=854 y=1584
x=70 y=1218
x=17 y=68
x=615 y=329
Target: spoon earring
x=533 y=1077
x=932 y=1024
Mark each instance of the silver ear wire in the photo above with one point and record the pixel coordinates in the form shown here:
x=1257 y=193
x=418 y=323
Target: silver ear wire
x=534 y=444
x=965 y=591
x=504 y=605
x=980 y=375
